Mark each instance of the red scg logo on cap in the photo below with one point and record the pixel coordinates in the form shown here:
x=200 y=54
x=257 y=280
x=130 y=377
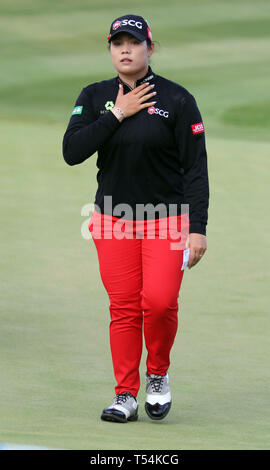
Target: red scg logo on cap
x=116 y=25
x=151 y=110
x=149 y=34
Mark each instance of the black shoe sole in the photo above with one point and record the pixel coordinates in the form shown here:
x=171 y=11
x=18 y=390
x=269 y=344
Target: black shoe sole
x=118 y=419
x=158 y=418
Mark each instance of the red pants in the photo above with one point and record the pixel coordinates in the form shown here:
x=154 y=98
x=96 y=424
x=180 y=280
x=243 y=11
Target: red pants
x=142 y=277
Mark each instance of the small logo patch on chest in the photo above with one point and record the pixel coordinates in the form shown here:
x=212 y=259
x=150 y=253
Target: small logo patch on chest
x=109 y=105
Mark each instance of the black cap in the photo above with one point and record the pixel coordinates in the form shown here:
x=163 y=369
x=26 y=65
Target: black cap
x=133 y=24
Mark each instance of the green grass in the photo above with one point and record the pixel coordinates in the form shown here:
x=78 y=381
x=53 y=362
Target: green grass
x=56 y=372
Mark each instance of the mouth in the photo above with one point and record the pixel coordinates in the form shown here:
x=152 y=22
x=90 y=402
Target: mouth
x=126 y=61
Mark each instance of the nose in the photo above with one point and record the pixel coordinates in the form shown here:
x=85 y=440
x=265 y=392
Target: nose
x=125 y=48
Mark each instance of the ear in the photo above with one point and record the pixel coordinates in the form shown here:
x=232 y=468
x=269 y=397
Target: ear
x=151 y=49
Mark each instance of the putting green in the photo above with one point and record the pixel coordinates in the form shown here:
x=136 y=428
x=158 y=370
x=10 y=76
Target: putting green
x=56 y=371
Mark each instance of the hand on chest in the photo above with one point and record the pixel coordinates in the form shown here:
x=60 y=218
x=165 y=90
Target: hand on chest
x=152 y=126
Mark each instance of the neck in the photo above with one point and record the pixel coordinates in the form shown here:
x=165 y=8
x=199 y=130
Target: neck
x=131 y=79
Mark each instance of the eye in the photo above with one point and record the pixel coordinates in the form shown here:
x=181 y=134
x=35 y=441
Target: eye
x=116 y=41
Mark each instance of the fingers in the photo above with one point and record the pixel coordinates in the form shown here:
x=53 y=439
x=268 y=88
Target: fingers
x=121 y=90
x=146 y=105
x=195 y=256
x=197 y=245
x=144 y=90
x=139 y=89
x=144 y=95
x=141 y=92
x=147 y=97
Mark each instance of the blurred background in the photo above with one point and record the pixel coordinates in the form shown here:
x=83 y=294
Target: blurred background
x=55 y=370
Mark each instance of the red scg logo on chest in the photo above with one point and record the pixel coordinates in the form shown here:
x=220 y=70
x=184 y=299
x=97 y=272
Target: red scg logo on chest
x=151 y=110
x=160 y=112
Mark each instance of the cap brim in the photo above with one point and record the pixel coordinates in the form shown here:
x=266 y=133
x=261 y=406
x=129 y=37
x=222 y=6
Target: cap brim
x=137 y=35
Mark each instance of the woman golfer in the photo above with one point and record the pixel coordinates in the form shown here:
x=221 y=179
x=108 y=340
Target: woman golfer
x=152 y=167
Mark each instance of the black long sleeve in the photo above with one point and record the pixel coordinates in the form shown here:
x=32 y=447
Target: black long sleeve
x=86 y=133
x=155 y=157
x=193 y=157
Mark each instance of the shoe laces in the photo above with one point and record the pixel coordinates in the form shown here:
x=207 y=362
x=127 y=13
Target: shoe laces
x=122 y=398
x=156 y=382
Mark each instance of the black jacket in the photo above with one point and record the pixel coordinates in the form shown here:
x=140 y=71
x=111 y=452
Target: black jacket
x=158 y=155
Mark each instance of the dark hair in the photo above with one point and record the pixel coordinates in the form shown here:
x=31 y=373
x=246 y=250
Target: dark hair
x=148 y=42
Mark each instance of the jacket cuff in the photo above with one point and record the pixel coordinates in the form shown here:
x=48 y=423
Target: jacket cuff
x=197 y=227
x=111 y=119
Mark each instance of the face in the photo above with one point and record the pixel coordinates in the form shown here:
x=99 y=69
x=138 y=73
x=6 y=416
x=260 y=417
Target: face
x=129 y=55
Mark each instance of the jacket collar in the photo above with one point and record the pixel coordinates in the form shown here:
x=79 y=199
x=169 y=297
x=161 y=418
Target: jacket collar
x=147 y=77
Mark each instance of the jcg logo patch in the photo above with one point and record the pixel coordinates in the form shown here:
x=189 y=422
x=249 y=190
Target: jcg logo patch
x=197 y=128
